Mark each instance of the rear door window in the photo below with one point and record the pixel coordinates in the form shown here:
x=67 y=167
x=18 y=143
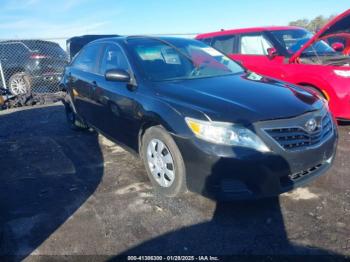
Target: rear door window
x=87 y=59
x=225 y=44
x=254 y=44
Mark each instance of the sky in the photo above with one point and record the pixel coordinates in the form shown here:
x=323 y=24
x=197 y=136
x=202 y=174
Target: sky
x=65 y=18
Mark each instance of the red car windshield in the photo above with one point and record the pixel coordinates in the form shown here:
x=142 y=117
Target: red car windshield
x=294 y=39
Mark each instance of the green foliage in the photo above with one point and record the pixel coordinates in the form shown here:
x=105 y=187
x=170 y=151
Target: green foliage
x=312 y=25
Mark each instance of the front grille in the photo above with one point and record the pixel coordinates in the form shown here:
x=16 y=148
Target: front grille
x=297 y=138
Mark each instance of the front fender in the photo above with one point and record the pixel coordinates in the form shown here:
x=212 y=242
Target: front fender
x=170 y=116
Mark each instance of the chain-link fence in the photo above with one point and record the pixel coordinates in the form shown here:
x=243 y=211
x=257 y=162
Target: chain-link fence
x=36 y=66
x=31 y=66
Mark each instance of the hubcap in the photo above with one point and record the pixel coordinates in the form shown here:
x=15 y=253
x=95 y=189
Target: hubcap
x=18 y=86
x=160 y=163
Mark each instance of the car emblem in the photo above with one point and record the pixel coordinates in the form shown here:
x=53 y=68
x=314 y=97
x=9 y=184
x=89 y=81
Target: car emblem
x=311 y=125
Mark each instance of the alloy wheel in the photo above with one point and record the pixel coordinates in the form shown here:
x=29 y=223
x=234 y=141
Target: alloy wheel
x=18 y=85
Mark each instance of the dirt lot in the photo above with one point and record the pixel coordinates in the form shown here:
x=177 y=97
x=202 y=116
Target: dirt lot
x=67 y=193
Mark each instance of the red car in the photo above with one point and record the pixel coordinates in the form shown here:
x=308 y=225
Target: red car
x=295 y=55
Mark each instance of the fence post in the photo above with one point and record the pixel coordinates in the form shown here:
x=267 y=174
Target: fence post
x=2 y=76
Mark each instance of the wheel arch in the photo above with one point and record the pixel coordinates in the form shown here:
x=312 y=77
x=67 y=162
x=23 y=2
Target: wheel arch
x=306 y=84
x=169 y=116
x=146 y=124
x=13 y=70
x=172 y=121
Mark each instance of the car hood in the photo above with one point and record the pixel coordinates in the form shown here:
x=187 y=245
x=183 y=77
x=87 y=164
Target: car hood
x=242 y=98
x=338 y=25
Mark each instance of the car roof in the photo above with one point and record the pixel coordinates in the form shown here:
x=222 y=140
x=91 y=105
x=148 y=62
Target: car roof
x=124 y=39
x=246 y=30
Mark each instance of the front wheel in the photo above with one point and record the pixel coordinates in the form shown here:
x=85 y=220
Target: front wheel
x=163 y=161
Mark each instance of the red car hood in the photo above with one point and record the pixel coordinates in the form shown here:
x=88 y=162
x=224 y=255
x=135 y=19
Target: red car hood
x=340 y=24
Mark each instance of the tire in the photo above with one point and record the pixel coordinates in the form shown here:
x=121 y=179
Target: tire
x=19 y=84
x=159 y=166
x=73 y=120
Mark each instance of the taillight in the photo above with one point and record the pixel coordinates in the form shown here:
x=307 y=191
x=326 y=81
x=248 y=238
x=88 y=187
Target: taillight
x=38 y=56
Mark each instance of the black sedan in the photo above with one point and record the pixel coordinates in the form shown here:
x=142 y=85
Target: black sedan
x=198 y=120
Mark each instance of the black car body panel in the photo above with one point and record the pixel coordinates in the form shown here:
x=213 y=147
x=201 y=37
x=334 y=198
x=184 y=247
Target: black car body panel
x=122 y=111
x=226 y=99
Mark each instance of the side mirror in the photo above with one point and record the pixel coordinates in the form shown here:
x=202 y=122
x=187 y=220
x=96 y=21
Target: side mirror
x=272 y=52
x=117 y=75
x=339 y=47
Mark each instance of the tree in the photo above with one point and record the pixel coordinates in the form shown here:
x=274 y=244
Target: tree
x=301 y=23
x=312 y=25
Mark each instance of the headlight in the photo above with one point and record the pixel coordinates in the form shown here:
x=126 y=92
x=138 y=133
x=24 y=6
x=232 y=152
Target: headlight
x=342 y=73
x=226 y=134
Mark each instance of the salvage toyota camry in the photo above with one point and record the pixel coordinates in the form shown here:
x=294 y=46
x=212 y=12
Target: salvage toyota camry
x=198 y=120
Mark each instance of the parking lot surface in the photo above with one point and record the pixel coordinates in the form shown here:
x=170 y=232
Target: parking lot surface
x=75 y=193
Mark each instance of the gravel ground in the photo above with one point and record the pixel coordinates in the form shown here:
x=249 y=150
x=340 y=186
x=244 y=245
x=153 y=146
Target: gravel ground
x=74 y=193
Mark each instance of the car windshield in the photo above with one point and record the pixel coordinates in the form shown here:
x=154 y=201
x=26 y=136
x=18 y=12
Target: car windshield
x=294 y=39
x=179 y=59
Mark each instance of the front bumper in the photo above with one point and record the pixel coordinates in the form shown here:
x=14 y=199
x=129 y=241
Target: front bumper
x=224 y=172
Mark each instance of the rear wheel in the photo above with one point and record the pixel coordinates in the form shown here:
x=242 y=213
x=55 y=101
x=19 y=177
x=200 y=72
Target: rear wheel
x=19 y=84
x=163 y=161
